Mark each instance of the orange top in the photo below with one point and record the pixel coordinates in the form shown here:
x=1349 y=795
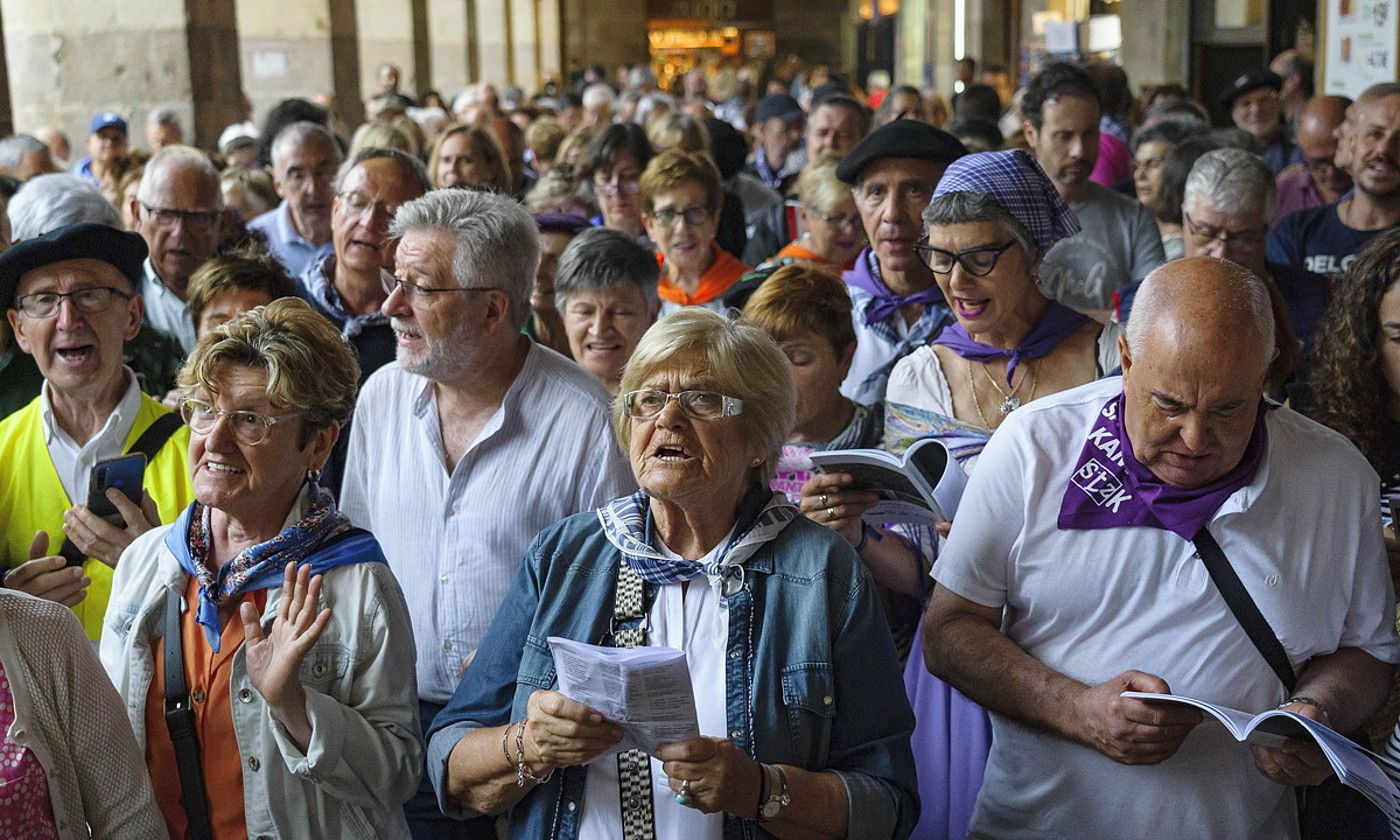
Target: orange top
x=716 y=280
x=207 y=674
x=795 y=251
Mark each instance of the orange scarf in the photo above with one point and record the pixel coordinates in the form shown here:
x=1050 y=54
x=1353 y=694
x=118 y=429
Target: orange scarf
x=716 y=280
x=795 y=251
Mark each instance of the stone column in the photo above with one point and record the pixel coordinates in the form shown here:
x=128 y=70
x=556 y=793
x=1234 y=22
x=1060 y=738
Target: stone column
x=300 y=50
x=76 y=58
x=550 y=39
x=448 y=40
x=7 y=122
x=492 y=33
x=524 y=43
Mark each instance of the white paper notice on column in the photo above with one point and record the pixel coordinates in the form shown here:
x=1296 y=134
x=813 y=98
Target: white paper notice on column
x=1361 y=43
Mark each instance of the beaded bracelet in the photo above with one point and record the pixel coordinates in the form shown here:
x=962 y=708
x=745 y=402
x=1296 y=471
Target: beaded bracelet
x=522 y=773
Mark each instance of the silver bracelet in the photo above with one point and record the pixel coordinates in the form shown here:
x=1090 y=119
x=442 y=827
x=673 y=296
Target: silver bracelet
x=522 y=773
x=1308 y=701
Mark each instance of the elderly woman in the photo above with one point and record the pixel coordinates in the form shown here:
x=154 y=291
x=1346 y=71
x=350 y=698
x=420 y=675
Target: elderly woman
x=261 y=643
x=613 y=163
x=784 y=639
x=605 y=288
x=681 y=196
x=468 y=155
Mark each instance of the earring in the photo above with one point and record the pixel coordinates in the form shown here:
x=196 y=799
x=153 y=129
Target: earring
x=313 y=477
x=756 y=462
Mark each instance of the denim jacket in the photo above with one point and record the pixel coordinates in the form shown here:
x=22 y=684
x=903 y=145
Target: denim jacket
x=812 y=678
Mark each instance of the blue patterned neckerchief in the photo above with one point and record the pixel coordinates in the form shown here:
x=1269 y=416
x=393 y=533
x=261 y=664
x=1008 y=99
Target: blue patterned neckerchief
x=320 y=288
x=262 y=566
x=766 y=174
x=934 y=318
x=627 y=525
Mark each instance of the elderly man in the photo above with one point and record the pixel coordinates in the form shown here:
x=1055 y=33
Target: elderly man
x=107 y=140
x=179 y=206
x=1252 y=100
x=777 y=126
x=72 y=297
x=57 y=142
x=1119 y=242
x=476 y=439
x=23 y=156
x=1318 y=180
x=896 y=305
x=387 y=79
x=305 y=157
x=1325 y=239
x=163 y=129
x=1070 y=577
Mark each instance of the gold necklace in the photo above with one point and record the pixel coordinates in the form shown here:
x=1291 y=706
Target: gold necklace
x=976 y=400
x=1009 y=401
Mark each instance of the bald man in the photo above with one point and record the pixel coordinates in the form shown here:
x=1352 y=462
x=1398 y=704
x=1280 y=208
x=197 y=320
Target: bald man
x=1070 y=577
x=1317 y=180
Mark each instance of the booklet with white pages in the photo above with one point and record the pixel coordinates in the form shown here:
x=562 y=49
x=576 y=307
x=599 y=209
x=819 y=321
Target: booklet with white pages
x=645 y=690
x=923 y=487
x=1352 y=764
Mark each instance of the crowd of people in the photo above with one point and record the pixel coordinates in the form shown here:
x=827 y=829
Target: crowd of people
x=409 y=401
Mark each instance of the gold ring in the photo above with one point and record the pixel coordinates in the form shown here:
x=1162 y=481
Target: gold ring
x=823 y=501
x=831 y=514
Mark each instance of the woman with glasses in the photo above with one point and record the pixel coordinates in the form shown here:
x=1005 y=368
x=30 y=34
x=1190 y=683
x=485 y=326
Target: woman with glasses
x=681 y=197
x=786 y=648
x=613 y=164
x=832 y=234
x=261 y=644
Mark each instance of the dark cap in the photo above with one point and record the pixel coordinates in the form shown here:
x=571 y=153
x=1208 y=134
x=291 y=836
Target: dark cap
x=107 y=119
x=777 y=105
x=1247 y=83
x=562 y=223
x=124 y=251
x=901 y=138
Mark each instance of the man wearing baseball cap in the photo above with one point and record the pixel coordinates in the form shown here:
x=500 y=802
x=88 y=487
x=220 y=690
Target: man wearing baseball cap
x=107 y=140
x=72 y=297
x=1253 y=103
x=777 y=125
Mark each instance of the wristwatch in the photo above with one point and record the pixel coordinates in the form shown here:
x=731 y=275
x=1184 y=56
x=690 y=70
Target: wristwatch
x=777 y=798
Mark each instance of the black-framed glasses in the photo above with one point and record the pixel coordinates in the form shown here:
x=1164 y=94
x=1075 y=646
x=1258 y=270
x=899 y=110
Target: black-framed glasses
x=1203 y=235
x=694 y=215
x=420 y=295
x=89 y=301
x=247 y=426
x=979 y=261
x=358 y=205
x=646 y=403
x=169 y=217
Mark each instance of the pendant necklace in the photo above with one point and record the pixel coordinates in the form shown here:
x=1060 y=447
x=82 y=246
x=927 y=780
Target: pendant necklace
x=1009 y=401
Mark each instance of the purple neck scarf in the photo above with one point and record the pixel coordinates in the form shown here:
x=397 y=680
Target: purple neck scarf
x=1056 y=324
x=1110 y=488
x=866 y=277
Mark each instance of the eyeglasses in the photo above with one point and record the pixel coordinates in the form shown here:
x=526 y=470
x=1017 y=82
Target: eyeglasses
x=247 y=426
x=167 y=217
x=419 y=295
x=625 y=186
x=694 y=215
x=979 y=261
x=88 y=301
x=838 y=220
x=360 y=205
x=700 y=405
x=1203 y=236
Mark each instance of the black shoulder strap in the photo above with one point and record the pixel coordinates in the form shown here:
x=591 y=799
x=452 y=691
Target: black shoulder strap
x=179 y=720
x=1246 y=612
x=155 y=436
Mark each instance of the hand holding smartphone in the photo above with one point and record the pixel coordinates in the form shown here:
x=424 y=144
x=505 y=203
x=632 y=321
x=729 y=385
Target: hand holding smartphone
x=122 y=473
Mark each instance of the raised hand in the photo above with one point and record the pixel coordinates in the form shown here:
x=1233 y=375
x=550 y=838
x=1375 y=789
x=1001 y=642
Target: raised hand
x=96 y=537
x=45 y=575
x=274 y=659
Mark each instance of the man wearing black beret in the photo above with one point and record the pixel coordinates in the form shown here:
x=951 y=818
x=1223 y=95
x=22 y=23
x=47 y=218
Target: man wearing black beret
x=71 y=300
x=896 y=306
x=1252 y=100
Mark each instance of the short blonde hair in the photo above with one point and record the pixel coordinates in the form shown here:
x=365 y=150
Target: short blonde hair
x=673 y=169
x=736 y=357
x=310 y=369
x=678 y=130
x=543 y=138
x=377 y=134
x=818 y=185
x=796 y=299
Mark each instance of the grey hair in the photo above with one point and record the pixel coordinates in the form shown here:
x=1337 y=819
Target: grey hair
x=497 y=241
x=598 y=94
x=409 y=165
x=13 y=150
x=172 y=157
x=299 y=132
x=49 y=202
x=1233 y=182
x=640 y=75
x=1248 y=301
x=961 y=208
x=162 y=116
x=601 y=258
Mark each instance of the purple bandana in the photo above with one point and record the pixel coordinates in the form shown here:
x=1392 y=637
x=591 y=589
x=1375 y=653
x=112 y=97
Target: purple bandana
x=1020 y=186
x=1055 y=325
x=866 y=277
x=1111 y=488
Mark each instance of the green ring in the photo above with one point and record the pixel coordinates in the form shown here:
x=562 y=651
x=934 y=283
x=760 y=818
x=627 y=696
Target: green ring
x=682 y=799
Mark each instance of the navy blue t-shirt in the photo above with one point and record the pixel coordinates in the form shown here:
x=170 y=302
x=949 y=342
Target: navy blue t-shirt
x=1315 y=240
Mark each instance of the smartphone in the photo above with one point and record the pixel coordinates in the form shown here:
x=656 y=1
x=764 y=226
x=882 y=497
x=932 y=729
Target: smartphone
x=124 y=473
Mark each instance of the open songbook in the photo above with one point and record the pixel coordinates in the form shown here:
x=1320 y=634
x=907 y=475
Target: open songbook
x=922 y=487
x=1352 y=764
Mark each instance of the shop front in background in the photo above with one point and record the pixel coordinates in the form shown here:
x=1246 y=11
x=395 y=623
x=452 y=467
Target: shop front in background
x=717 y=36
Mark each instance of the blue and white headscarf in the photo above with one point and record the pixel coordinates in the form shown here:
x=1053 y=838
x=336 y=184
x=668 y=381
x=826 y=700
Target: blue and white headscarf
x=1019 y=185
x=626 y=524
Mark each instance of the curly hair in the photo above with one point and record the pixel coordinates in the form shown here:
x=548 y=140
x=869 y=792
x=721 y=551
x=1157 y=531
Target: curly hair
x=1348 y=391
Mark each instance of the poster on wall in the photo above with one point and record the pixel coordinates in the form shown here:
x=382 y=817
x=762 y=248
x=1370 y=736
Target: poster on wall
x=1361 y=43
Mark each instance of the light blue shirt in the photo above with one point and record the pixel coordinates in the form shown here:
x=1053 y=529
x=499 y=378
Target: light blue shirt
x=164 y=309
x=295 y=253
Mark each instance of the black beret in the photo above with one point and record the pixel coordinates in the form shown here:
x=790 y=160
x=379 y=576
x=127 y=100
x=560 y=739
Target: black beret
x=902 y=138
x=1248 y=83
x=124 y=251
x=777 y=105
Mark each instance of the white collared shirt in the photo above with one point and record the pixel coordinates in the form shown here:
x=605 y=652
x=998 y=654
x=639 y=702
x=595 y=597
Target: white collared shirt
x=456 y=539
x=74 y=462
x=164 y=309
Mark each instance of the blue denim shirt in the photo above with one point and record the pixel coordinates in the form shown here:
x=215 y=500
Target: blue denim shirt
x=812 y=678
